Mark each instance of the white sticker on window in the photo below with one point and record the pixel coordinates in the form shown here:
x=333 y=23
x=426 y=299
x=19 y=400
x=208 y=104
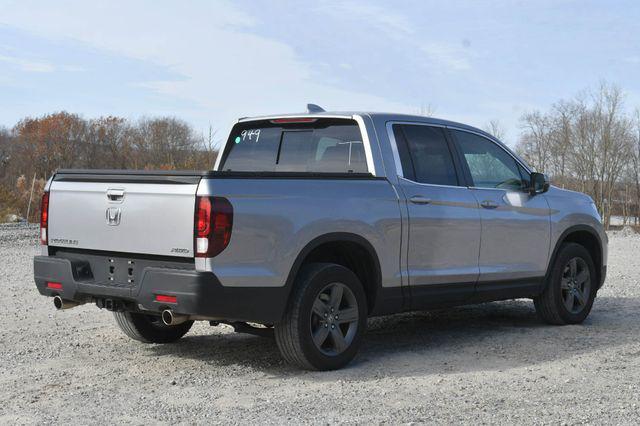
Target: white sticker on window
x=249 y=135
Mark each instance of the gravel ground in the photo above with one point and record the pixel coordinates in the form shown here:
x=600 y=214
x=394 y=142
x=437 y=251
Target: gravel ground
x=492 y=363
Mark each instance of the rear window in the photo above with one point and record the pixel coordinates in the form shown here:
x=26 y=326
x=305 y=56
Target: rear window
x=322 y=146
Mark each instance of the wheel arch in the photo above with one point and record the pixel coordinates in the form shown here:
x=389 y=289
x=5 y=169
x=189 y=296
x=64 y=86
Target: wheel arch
x=347 y=249
x=587 y=237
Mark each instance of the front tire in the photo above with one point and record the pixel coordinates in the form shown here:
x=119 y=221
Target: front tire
x=571 y=288
x=325 y=320
x=150 y=328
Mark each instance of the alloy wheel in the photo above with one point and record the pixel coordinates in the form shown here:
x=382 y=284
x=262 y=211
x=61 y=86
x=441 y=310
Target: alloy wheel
x=334 y=319
x=575 y=285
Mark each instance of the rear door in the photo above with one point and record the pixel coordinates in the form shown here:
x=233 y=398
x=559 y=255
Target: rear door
x=444 y=222
x=516 y=226
x=128 y=213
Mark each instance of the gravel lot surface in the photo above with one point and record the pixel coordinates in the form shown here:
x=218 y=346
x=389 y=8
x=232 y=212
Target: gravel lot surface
x=492 y=363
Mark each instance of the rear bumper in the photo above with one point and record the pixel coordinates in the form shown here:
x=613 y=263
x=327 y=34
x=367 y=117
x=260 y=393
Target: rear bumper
x=197 y=293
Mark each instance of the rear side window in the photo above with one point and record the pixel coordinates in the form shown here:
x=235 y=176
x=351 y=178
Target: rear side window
x=321 y=146
x=425 y=155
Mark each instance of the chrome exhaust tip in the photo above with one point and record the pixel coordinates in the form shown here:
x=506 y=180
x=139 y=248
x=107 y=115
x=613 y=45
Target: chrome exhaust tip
x=169 y=318
x=57 y=302
x=60 y=303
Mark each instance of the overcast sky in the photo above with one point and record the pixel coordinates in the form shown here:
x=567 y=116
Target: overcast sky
x=210 y=62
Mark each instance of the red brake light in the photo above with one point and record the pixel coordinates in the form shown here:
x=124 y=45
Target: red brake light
x=293 y=120
x=54 y=286
x=44 y=219
x=213 y=224
x=203 y=217
x=166 y=299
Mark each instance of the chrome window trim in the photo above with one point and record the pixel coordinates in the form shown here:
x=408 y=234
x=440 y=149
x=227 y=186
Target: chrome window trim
x=493 y=189
x=433 y=184
x=394 y=149
x=368 y=152
x=216 y=165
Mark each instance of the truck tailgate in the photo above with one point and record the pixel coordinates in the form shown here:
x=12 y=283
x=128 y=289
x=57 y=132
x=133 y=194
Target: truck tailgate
x=128 y=212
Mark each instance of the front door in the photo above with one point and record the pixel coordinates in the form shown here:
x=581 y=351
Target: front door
x=516 y=226
x=444 y=219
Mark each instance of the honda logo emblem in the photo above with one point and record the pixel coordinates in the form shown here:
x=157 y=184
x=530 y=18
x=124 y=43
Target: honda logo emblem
x=113 y=216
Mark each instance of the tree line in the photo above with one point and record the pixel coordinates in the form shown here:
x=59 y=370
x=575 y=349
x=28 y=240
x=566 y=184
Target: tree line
x=35 y=147
x=591 y=144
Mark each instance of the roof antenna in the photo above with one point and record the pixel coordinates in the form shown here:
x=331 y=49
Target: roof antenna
x=313 y=108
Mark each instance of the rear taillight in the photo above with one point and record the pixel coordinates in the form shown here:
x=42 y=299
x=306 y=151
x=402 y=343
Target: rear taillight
x=212 y=225
x=44 y=219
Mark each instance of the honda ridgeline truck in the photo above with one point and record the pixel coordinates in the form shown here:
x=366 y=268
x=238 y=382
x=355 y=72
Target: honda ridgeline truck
x=310 y=223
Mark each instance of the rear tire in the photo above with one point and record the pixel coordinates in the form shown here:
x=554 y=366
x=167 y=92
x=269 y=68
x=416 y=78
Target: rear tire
x=326 y=318
x=571 y=287
x=150 y=328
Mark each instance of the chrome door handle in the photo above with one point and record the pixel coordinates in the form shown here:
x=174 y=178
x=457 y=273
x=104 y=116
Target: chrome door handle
x=488 y=204
x=115 y=195
x=417 y=199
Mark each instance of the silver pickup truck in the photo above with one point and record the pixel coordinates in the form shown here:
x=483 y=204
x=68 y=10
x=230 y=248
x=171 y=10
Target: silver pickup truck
x=311 y=223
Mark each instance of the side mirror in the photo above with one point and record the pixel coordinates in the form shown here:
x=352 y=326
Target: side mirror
x=539 y=183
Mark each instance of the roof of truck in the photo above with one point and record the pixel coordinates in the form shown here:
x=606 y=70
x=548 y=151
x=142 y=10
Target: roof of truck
x=375 y=116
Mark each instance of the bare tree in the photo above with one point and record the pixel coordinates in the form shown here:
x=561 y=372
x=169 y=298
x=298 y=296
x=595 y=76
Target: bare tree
x=535 y=141
x=494 y=128
x=562 y=123
x=6 y=147
x=614 y=133
x=586 y=144
x=426 y=110
x=210 y=145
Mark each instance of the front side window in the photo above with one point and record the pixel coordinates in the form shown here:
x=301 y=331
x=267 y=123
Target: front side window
x=490 y=165
x=321 y=146
x=424 y=154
